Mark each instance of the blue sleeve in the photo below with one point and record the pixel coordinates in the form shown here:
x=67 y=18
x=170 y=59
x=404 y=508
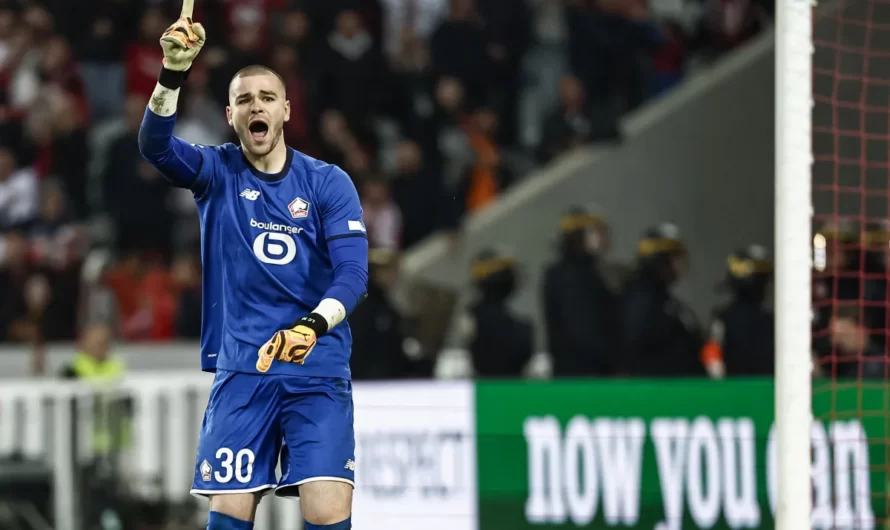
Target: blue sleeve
x=341 y=211
x=349 y=257
x=344 y=231
x=181 y=163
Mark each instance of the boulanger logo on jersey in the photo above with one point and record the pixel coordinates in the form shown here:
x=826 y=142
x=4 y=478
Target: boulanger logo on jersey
x=276 y=246
x=275 y=227
x=415 y=463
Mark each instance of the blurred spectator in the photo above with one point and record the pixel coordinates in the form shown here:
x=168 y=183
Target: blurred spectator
x=336 y=138
x=661 y=335
x=508 y=26
x=186 y=273
x=579 y=306
x=569 y=126
x=93 y=362
x=727 y=24
x=101 y=56
x=19 y=198
x=608 y=41
x=836 y=280
x=95 y=365
x=26 y=294
x=500 y=342
x=145 y=298
x=615 y=272
x=57 y=246
x=358 y=161
x=246 y=48
x=545 y=64
x=199 y=121
x=742 y=332
x=417 y=191
x=381 y=214
x=353 y=75
x=488 y=175
x=8 y=23
x=411 y=103
x=70 y=152
x=59 y=72
x=136 y=195
x=297 y=133
x=22 y=69
x=877 y=288
x=199 y=118
x=381 y=347
x=295 y=32
x=406 y=22
x=451 y=142
x=669 y=61
x=144 y=56
x=251 y=13
x=460 y=49
x=55 y=239
x=98 y=301
x=855 y=355
x=39 y=20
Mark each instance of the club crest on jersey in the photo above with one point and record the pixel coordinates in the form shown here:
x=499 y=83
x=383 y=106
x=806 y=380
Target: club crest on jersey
x=206 y=471
x=299 y=208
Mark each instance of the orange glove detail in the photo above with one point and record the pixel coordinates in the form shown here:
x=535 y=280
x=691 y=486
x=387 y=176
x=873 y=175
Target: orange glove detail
x=181 y=43
x=288 y=345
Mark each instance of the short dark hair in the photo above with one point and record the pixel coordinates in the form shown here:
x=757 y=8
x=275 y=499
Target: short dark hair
x=255 y=69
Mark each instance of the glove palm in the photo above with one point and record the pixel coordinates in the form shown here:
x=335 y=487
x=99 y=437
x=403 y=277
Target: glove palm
x=288 y=345
x=181 y=43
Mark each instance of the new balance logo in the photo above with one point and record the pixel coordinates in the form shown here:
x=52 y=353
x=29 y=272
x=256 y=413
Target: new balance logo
x=250 y=195
x=350 y=465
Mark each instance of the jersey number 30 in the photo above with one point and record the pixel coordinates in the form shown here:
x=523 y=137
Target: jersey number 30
x=274 y=248
x=239 y=466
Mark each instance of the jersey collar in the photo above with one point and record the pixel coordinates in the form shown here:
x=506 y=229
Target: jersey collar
x=269 y=177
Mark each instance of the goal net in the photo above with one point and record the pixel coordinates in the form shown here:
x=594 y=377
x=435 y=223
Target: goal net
x=851 y=206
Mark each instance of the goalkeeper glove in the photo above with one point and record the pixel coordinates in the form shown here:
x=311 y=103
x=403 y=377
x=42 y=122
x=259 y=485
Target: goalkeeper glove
x=292 y=345
x=181 y=43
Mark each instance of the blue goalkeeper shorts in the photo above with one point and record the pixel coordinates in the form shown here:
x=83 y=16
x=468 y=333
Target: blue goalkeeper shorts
x=252 y=420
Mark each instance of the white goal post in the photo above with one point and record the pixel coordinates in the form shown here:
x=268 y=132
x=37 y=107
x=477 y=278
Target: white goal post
x=794 y=158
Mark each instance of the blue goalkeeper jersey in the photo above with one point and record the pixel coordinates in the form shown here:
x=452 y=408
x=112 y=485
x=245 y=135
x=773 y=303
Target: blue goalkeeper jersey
x=273 y=246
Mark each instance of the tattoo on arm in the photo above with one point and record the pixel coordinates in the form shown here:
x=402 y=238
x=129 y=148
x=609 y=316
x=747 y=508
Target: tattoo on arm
x=163 y=101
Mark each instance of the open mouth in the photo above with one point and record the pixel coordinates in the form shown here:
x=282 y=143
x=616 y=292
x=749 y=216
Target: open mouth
x=259 y=129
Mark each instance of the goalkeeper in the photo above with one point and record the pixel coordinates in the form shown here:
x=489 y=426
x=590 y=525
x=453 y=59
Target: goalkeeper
x=284 y=254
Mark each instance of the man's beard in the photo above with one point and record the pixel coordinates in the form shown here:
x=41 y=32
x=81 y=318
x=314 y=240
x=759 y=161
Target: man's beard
x=263 y=149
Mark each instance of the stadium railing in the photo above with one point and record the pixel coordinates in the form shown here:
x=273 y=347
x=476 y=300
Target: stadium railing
x=489 y=455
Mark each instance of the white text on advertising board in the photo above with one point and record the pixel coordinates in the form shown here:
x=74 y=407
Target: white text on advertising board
x=707 y=471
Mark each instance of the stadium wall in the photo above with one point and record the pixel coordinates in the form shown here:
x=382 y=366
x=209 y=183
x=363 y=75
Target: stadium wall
x=701 y=157
x=16 y=362
x=500 y=455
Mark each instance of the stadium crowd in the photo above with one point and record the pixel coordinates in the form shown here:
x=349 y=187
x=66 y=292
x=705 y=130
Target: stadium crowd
x=433 y=107
x=604 y=318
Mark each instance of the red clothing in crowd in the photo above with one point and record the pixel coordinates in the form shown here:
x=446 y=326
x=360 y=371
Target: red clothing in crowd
x=146 y=303
x=296 y=130
x=144 y=60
